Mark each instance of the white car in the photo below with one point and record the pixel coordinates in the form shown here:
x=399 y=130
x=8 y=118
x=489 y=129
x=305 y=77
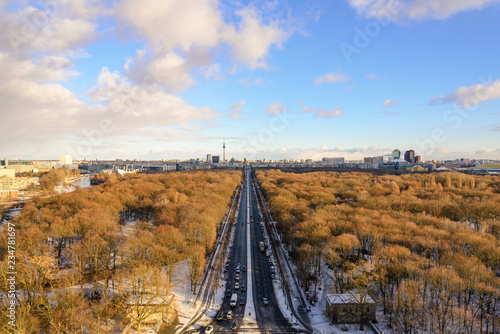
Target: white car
x=209 y=329
x=265 y=301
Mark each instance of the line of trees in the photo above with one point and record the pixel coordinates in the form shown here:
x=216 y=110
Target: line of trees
x=431 y=242
x=85 y=237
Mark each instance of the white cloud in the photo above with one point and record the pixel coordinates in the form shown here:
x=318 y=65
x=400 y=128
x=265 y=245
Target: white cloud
x=276 y=108
x=390 y=103
x=238 y=105
x=331 y=78
x=251 y=43
x=399 y=11
x=373 y=76
x=170 y=70
x=324 y=113
x=58 y=27
x=213 y=72
x=473 y=95
x=486 y=151
x=182 y=35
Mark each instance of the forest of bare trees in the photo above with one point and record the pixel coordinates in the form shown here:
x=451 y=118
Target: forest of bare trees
x=81 y=238
x=425 y=247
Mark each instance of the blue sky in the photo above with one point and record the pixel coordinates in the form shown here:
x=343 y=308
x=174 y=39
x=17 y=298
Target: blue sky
x=169 y=79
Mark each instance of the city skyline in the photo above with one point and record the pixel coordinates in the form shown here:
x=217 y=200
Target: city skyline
x=169 y=80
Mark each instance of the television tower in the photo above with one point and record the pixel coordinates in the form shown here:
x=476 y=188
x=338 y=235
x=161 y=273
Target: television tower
x=224 y=150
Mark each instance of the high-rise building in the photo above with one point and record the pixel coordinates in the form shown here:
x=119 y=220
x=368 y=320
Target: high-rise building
x=209 y=158
x=378 y=160
x=65 y=160
x=418 y=159
x=410 y=156
x=215 y=159
x=396 y=154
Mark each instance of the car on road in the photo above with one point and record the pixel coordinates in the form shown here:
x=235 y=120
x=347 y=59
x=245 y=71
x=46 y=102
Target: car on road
x=229 y=315
x=237 y=269
x=237 y=285
x=244 y=268
x=237 y=277
x=228 y=293
x=209 y=329
x=265 y=301
x=242 y=301
x=234 y=326
x=273 y=275
x=220 y=315
x=243 y=287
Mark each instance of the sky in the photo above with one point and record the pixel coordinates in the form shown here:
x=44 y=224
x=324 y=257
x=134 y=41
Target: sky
x=172 y=79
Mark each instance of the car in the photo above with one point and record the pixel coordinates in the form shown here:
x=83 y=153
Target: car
x=308 y=308
x=234 y=326
x=243 y=287
x=237 y=269
x=220 y=315
x=228 y=293
x=244 y=268
x=273 y=275
x=265 y=301
x=242 y=301
x=229 y=315
x=209 y=329
x=237 y=285
x=237 y=277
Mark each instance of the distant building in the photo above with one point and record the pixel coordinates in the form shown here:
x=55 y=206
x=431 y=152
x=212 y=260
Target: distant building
x=346 y=309
x=65 y=160
x=215 y=159
x=209 y=158
x=330 y=161
x=378 y=160
x=18 y=183
x=19 y=166
x=9 y=195
x=410 y=156
x=418 y=159
x=8 y=173
x=367 y=160
x=396 y=154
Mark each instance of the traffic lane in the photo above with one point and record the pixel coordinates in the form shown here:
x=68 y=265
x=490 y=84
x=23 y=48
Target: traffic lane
x=270 y=316
x=238 y=256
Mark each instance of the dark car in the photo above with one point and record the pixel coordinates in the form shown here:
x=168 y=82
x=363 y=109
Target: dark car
x=242 y=301
x=234 y=326
x=244 y=268
x=243 y=287
x=228 y=293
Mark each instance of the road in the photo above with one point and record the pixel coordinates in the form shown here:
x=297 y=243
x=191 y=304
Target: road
x=270 y=318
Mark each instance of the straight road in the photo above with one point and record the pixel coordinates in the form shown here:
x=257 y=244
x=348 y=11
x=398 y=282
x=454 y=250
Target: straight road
x=269 y=316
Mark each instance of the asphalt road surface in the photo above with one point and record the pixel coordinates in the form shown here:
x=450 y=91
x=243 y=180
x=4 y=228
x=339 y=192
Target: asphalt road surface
x=269 y=316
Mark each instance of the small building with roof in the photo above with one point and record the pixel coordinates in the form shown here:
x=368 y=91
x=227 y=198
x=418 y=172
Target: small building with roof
x=346 y=308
